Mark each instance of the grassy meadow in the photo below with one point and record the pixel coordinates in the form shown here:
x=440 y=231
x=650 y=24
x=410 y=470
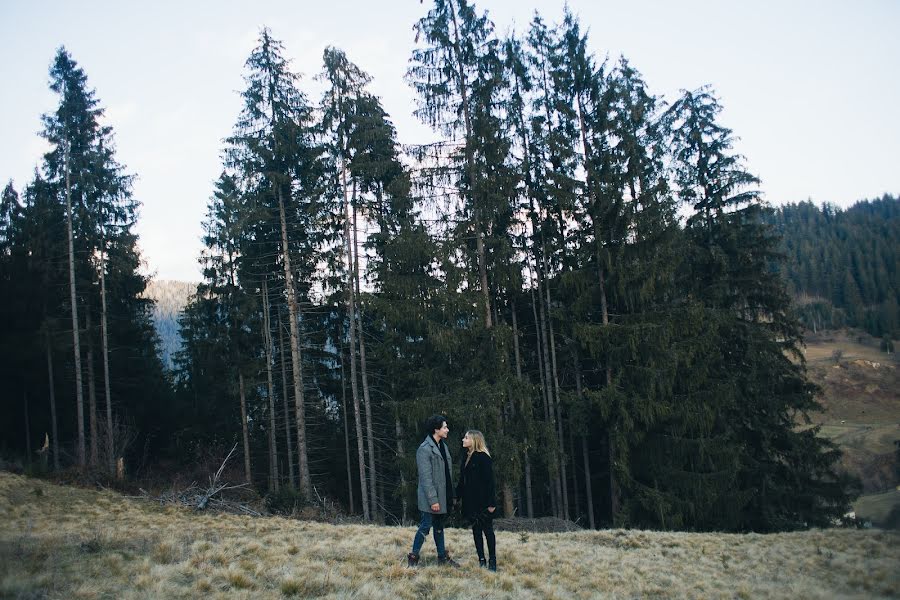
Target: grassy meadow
x=861 y=400
x=66 y=542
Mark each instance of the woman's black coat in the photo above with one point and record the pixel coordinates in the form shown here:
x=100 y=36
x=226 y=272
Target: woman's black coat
x=476 y=486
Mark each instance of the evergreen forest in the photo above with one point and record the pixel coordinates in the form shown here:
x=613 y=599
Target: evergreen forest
x=842 y=267
x=582 y=270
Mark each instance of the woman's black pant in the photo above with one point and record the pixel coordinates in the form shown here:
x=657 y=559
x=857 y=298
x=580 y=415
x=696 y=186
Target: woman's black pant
x=484 y=526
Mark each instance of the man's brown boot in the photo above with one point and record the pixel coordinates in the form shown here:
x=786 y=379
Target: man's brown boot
x=448 y=562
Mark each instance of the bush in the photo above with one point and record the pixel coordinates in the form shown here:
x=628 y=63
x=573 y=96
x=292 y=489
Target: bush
x=286 y=501
x=837 y=355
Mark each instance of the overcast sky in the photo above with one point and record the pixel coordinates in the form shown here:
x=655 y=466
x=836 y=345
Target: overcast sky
x=811 y=88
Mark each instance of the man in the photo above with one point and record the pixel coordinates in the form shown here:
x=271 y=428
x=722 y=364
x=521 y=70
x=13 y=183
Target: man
x=435 y=490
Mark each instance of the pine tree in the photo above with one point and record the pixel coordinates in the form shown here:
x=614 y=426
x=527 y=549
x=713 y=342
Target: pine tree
x=276 y=160
x=457 y=75
x=342 y=103
x=10 y=211
x=737 y=444
x=38 y=241
x=216 y=343
x=96 y=191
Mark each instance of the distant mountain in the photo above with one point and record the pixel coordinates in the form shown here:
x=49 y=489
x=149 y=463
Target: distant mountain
x=171 y=297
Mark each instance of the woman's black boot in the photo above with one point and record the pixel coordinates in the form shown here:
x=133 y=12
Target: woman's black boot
x=492 y=563
x=482 y=563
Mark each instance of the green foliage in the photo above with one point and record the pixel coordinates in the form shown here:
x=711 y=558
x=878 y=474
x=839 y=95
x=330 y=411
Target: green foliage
x=530 y=277
x=841 y=265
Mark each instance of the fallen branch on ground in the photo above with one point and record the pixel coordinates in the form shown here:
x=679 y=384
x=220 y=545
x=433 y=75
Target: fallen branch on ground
x=199 y=498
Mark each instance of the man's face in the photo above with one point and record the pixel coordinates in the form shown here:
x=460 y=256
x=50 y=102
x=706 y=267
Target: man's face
x=443 y=432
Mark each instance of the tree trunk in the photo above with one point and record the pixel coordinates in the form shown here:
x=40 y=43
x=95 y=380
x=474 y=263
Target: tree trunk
x=529 y=496
x=351 y=310
x=370 y=435
x=610 y=430
x=584 y=453
x=515 y=324
x=246 y=435
x=508 y=507
x=104 y=334
x=613 y=491
x=557 y=406
x=28 y=449
x=587 y=481
x=549 y=409
x=575 y=492
x=381 y=504
x=346 y=432
x=543 y=378
x=398 y=434
x=284 y=398
x=54 y=446
x=296 y=359
x=613 y=488
x=92 y=388
x=267 y=339
x=76 y=342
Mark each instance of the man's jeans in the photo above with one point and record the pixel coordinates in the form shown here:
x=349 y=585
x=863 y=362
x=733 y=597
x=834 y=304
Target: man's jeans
x=430 y=520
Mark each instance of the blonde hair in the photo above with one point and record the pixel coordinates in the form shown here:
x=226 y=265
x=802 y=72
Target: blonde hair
x=478 y=444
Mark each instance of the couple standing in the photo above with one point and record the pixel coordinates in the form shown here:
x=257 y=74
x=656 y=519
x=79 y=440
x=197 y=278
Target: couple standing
x=436 y=493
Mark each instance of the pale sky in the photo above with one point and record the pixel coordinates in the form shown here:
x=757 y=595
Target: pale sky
x=810 y=87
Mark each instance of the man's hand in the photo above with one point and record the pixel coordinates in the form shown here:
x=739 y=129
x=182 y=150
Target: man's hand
x=435 y=507
x=491 y=509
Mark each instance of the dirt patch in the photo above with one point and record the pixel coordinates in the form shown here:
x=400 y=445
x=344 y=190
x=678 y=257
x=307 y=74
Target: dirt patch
x=861 y=402
x=858 y=390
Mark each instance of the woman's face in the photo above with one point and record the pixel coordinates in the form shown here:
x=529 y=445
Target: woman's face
x=467 y=441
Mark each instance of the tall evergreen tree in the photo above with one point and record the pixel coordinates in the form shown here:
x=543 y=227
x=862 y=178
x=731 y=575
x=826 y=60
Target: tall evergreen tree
x=10 y=211
x=276 y=160
x=96 y=191
x=457 y=75
x=343 y=104
x=734 y=436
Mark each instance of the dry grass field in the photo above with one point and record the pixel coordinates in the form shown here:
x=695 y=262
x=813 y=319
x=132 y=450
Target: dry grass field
x=65 y=542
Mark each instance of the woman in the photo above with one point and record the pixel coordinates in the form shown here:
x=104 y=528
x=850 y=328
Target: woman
x=476 y=491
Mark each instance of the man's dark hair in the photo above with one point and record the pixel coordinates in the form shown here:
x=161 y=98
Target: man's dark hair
x=434 y=422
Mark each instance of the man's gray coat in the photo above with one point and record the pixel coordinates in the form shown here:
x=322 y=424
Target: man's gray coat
x=432 y=482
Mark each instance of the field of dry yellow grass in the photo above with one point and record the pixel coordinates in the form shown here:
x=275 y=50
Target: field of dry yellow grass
x=65 y=542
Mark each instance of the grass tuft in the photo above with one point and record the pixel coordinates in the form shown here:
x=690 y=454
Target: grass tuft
x=239 y=579
x=306 y=586
x=166 y=553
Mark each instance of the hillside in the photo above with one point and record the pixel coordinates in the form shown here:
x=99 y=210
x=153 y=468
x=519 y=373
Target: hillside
x=861 y=398
x=63 y=542
x=841 y=265
x=170 y=297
